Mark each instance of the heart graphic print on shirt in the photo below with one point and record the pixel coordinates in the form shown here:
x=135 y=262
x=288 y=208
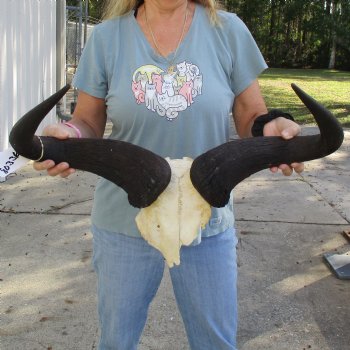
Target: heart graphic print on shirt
x=167 y=93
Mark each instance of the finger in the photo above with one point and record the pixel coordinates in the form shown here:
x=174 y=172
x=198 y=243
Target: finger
x=47 y=164
x=298 y=167
x=286 y=169
x=58 y=169
x=67 y=172
x=274 y=169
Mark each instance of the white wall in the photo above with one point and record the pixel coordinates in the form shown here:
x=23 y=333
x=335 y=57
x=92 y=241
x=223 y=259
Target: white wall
x=27 y=59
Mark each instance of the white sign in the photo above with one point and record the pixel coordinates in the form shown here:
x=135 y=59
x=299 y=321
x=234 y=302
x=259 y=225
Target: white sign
x=10 y=161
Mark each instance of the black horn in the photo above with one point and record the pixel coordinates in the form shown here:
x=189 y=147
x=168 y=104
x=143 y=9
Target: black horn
x=140 y=172
x=215 y=173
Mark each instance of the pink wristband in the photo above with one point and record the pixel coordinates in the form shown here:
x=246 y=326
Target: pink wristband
x=75 y=128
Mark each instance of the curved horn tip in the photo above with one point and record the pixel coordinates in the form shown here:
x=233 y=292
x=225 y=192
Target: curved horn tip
x=21 y=136
x=294 y=86
x=300 y=92
x=64 y=89
x=297 y=89
x=67 y=86
x=330 y=127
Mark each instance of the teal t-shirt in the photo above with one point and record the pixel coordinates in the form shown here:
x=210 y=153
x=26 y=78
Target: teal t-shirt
x=177 y=109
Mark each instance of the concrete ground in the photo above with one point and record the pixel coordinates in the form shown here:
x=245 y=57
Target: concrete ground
x=288 y=297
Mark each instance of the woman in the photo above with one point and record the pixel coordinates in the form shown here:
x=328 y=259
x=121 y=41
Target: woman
x=167 y=73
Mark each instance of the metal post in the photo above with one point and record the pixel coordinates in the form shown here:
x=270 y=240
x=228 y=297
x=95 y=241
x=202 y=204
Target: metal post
x=60 y=43
x=80 y=43
x=86 y=20
x=60 y=51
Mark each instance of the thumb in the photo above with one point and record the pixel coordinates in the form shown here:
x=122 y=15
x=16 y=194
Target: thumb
x=290 y=131
x=57 y=130
x=286 y=134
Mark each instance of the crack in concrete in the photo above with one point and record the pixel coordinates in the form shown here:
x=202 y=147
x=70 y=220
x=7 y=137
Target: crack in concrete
x=19 y=212
x=325 y=199
x=54 y=210
x=291 y=222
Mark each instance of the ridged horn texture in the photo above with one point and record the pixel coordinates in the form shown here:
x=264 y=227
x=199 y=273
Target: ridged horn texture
x=215 y=173
x=141 y=173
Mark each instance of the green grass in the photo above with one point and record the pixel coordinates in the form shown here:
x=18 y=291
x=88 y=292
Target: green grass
x=330 y=87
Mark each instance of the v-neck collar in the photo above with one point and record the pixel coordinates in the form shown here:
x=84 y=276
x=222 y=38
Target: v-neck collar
x=152 y=52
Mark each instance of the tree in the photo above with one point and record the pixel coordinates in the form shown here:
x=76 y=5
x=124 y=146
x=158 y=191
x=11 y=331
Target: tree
x=299 y=33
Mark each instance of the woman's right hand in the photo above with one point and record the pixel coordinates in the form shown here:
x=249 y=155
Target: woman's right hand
x=60 y=131
x=89 y=117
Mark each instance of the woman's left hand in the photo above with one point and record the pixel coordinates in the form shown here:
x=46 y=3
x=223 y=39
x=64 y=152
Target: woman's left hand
x=287 y=129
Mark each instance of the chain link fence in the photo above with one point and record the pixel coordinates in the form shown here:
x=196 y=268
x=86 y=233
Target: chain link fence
x=79 y=26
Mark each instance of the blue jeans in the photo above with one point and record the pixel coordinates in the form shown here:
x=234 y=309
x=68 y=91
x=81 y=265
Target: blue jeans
x=129 y=272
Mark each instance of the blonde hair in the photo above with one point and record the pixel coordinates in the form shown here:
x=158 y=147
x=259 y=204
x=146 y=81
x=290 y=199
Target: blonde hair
x=115 y=8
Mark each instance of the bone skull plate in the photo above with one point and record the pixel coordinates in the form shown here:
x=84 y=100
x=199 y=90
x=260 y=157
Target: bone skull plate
x=177 y=215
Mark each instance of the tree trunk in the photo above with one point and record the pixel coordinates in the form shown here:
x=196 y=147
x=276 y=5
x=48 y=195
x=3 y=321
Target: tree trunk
x=333 y=43
x=331 y=64
x=272 y=31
